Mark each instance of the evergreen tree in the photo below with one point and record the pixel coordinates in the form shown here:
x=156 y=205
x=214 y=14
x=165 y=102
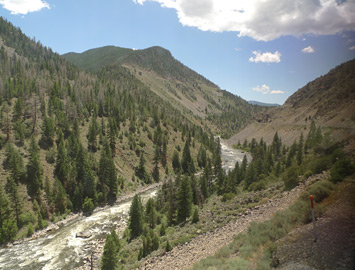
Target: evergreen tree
x=155 y=173
x=150 y=214
x=16 y=201
x=202 y=157
x=141 y=172
x=176 y=162
x=48 y=131
x=34 y=169
x=14 y=162
x=109 y=260
x=107 y=174
x=184 y=199
x=136 y=217
x=62 y=166
x=8 y=227
x=59 y=197
x=92 y=134
x=186 y=161
x=164 y=154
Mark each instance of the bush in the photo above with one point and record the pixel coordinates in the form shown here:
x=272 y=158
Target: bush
x=168 y=246
x=27 y=218
x=321 y=164
x=290 y=177
x=341 y=169
x=30 y=230
x=195 y=216
x=256 y=186
x=227 y=196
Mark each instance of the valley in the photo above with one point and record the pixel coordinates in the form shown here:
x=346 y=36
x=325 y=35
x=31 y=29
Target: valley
x=118 y=158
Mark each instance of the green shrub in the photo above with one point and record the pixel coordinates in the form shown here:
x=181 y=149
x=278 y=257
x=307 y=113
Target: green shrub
x=321 y=164
x=290 y=177
x=256 y=186
x=227 y=196
x=341 y=169
x=27 y=218
x=195 y=216
x=30 y=230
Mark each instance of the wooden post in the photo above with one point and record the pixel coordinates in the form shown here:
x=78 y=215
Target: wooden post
x=314 y=220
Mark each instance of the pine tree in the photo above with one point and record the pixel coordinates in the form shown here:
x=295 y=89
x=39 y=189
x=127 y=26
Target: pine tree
x=8 y=227
x=202 y=157
x=155 y=173
x=150 y=214
x=109 y=259
x=34 y=169
x=14 y=162
x=186 y=161
x=62 y=166
x=300 y=150
x=164 y=154
x=92 y=134
x=184 y=199
x=176 y=162
x=59 y=197
x=107 y=174
x=136 y=217
x=48 y=131
x=16 y=201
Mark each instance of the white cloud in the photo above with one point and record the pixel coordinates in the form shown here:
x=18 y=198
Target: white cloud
x=23 y=6
x=265 y=90
x=267 y=57
x=265 y=19
x=352 y=48
x=308 y=49
x=237 y=49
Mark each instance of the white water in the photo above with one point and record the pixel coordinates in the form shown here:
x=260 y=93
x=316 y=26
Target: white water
x=62 y=250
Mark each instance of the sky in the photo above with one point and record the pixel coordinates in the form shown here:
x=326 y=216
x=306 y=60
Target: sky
x=262 y=50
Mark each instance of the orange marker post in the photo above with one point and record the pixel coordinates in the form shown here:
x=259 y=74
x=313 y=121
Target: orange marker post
x=314 y=220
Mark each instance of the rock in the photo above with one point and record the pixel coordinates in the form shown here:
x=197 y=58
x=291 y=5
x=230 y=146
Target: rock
x=84 y=234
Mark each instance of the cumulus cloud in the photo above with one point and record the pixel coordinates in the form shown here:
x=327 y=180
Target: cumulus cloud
x=352 y=48
x=265 y=19
x=265 y=90
x=308 y=49
x=267 y=57
x=23 y=6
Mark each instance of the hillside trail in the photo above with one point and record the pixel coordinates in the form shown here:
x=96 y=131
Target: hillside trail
x=204 y=245
x=335 y=246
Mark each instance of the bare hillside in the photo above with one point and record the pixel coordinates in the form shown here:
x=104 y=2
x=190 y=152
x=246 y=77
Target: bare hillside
x=329 y=101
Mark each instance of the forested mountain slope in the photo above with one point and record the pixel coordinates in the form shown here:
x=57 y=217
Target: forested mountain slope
x=175 y=83
x=72 y=140
x=328 y=100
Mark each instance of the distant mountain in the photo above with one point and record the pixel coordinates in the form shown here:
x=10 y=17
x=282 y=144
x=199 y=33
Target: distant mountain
x=174 y=82
x=254 y=102
x=328 y=100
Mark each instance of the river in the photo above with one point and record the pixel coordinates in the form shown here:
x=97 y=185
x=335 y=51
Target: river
x=61 y=249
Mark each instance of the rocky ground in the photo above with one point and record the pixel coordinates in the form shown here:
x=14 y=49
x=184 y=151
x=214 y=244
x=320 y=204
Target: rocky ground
x=335 y=246
x=184 y=256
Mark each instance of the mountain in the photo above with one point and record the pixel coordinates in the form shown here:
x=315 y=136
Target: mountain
x=192 y=94
x=328 y=100
x=71 y=139
x=254 y=102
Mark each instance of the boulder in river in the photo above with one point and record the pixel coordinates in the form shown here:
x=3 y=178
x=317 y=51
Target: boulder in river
x=84 y=234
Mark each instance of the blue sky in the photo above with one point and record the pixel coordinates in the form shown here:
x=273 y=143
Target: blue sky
x=259 y=50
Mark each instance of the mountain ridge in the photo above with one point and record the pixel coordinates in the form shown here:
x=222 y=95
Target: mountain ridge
x=328 y=101
x=185 y=89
